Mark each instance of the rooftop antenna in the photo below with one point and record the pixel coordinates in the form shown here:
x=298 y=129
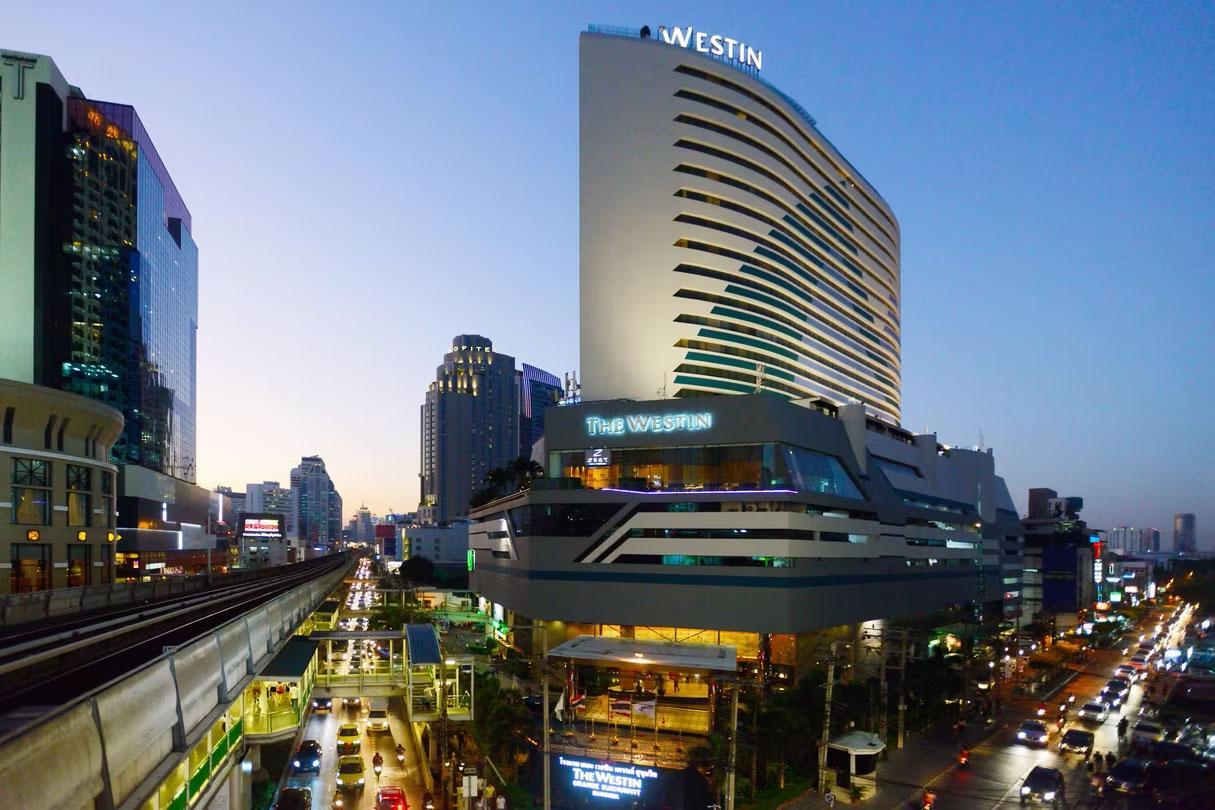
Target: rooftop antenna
x=662 y=392
x=980 y=439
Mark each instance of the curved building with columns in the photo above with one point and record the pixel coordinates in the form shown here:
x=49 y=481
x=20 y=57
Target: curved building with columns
x=727 y=247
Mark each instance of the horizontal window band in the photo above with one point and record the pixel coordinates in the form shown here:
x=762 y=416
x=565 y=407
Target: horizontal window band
x=730 y=332
x=887 y=277
x=774 y=274
x=737 y=363
x=796 y=127
x=724 y=580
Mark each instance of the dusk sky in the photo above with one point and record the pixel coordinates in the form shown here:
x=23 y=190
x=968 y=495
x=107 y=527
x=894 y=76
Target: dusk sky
x=369 y=179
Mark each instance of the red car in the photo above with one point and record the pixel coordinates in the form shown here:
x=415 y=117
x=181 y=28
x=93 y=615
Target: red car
x=390 y=798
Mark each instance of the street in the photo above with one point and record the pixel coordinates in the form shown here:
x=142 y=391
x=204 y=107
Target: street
x=998 y=765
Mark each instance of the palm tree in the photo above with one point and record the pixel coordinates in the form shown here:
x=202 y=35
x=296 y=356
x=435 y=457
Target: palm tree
x=523 y=471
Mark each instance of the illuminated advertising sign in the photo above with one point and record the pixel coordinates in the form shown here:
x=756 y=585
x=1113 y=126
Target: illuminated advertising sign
x=648 y=423
x=262 y=527
x=599 y=457
x=607 y=780
x=712 y=44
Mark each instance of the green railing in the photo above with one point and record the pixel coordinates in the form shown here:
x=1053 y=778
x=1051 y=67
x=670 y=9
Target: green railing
x=272 y=722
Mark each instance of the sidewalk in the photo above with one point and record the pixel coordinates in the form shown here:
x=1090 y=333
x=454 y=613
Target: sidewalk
x=903 y=774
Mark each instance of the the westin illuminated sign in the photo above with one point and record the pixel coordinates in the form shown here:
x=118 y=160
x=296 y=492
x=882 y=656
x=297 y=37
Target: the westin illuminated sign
x=643 y=423
x=607 y=780
x=713 y=44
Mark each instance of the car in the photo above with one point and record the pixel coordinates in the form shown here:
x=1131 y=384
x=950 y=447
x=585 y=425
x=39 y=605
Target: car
x=377 y=720
x=1114 y=693
x=348 y=738
x=1139 y=662
x=294 y=798
x=1077 y=741
x=1146 y=731
x=307 y=756
x=390 y=798
x=352 y=701
x=1034 y=732
x=1161 y=752
x=322 y=704
x=1128 y=776
x=1043 y=785
x=1127 y=671
x=1093 y=712
x=350 y=773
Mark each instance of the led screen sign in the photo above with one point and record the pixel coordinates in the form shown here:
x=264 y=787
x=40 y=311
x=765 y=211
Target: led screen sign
x=262 y=527
x=712 y=44
x=648 y=423
x=599 y=457
x=607 y=780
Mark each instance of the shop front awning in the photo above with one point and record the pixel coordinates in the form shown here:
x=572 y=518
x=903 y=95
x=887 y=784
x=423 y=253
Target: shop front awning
x=292 y=660
x=658 y=655
x=423 y=644
x=357 y=635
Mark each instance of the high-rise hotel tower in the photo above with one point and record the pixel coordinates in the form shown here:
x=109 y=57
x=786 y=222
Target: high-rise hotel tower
x=727 y=247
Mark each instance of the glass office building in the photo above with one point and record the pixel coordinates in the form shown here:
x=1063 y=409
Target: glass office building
x=132 y=287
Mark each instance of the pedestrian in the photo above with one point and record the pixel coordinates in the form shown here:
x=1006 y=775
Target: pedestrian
x=1088 y=765
x=1110 y=759
x=1122 y=727
x=1098 y=761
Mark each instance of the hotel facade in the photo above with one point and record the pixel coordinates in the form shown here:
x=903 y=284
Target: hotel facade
x=736 y=472
x=726 y=245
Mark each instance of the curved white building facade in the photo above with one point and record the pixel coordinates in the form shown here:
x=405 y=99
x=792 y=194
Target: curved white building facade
x=726 y=245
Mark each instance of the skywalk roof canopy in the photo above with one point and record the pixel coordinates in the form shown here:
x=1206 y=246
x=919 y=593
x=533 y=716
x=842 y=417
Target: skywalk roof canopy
x=659 y=655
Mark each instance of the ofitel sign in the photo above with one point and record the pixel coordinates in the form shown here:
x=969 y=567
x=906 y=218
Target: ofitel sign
x=262 y=527
x=712 y=44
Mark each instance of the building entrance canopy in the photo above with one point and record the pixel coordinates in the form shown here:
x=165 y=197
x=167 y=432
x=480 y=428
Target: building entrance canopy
x=661 y=655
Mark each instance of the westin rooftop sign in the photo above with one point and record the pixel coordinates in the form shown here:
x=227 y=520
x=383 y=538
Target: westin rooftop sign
x=712 y=44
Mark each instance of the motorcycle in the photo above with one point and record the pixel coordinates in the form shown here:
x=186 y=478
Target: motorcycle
x=963 y=758
x=377 y=765
x=928 y=800
x=1060 y=721
x=1041 y=709
x=400 y=755
x=428 y=802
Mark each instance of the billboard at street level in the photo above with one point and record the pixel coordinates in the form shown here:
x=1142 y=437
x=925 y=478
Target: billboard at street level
x=261 y=527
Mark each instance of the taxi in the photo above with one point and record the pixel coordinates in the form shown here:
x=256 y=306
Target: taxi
x=349 y=741
x=350 y=773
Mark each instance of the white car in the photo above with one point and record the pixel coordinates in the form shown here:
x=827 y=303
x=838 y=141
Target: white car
x=1128 y=671
x=1034 y=732
x=1095 y=712
x=1146 y=731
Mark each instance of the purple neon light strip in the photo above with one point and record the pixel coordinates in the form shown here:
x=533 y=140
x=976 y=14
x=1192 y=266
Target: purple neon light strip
x=703 y=491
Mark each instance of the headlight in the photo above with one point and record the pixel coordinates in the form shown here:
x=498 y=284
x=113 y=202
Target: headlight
x=316 y=763
x=361 y=780
x=1020 y=735
x=295 y=763
x=1048 y=795
x=1024 y=790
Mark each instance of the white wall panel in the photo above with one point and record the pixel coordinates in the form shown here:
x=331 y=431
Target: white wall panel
x=137 y=719
x=71 y=746
x=198 y=672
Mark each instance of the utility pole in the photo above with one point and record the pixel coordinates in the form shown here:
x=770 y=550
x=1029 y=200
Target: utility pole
x=885 y=727
x=730 y=766
x=548 y=796
x=902 y=687
x=826 y=735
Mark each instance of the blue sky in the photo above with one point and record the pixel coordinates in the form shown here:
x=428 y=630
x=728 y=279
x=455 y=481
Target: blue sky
x=368 y=180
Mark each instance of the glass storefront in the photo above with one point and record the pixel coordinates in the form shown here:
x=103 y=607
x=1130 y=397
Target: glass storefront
x=79 y=565
x=766 y=466
x=31 y=569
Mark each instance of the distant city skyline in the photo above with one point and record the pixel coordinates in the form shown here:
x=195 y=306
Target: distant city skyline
x=1049 y=168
